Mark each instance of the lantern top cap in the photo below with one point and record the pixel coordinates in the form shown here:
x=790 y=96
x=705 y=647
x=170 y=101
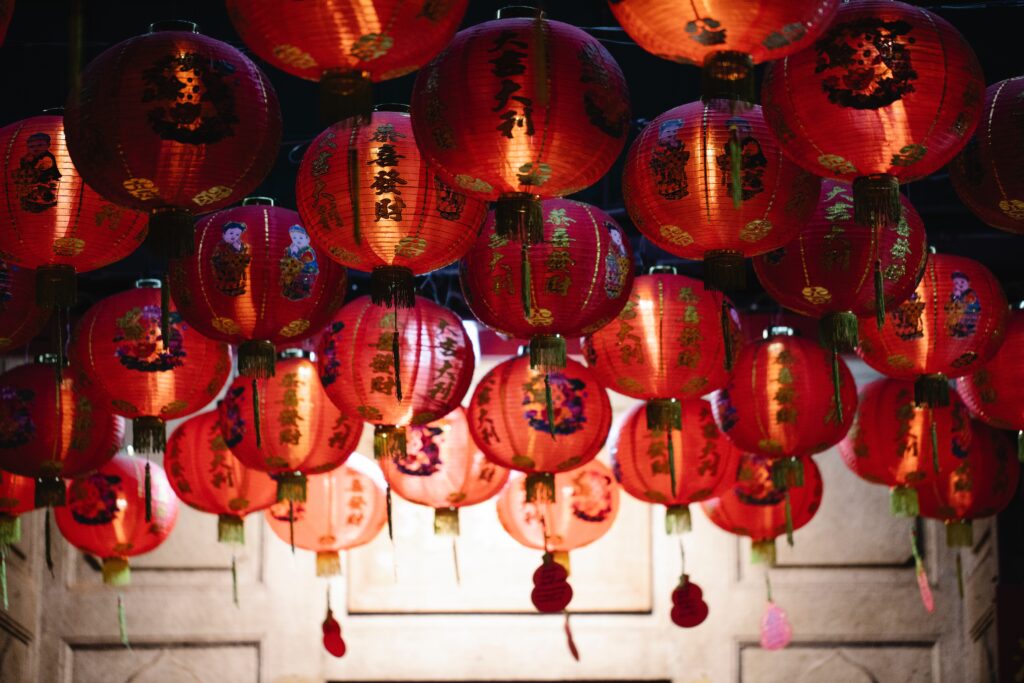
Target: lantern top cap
x=174 y=25
x=258 y=201
x=297 y=353
x=148 y=283
x=662 y=270
x=520 y=12
x=392 y=106
x=778 y=331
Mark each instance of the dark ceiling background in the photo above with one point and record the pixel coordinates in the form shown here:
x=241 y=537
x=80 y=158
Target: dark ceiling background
x=35 y=58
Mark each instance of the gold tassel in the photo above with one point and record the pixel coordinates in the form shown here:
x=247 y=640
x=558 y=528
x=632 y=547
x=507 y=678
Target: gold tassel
x=116 y=571
x=959 y=533
x=50 y=492
x=230 y=529
x=540 y=487
x=393 y=287
x=728 y=75
x=677 y=520
x=547 y=351
x=256 y=359
x=389 y=441
x=149 y=434
x=762 y=552
x=328 y=564
x=876 y=201
x=664 y=413
x=838 y=331
x=519 y=216
x=787 y=473
x=291 y=486
x=446 y=521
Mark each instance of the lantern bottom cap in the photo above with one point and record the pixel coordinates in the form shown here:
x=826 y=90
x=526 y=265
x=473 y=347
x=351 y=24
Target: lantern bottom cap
x=446 y=521
x=116 y=571
x=677 y=519
x=763 y=552
x=328 y=563
x=903 y=501
x=230 y=529
x=257 y=358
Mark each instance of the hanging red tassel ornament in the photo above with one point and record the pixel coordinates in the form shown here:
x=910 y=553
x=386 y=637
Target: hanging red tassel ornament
x=672 y=341
x=725 y=38
x=52 y=221
x=52 y=430
x=344 y=508
x=333 y=642
x=577 y=281
x=347 y=45
x=978 y=481
x=888 y=94
x=539 y=423
x=689 y=463
x=173 y=123
x=952 y=324
x=779 y=402
x=206 y=476
x=688 y=606
x=551 y=590
x=986 y=174
x=394 y=368
x=17 y=496
x=121 y=358
x=106 y=515
x=704 y=182
x=519 y=109
x=443 y=469
x=897 y=444
x=21 y=318
x=256 y=280
x=286 y=426
x=757 y=507
x=373 y=203
x=828 y=270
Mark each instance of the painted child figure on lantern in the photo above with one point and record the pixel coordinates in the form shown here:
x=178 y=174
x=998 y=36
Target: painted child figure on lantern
x=231 y=258
x=963 y=308
x=141 y=345
x=617 y=265
x=37 y=177
x=299 y=266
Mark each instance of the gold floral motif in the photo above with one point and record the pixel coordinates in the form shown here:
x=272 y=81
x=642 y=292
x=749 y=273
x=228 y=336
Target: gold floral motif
x=142 y=189
x=345 y=256
x=423 y=417
x=369 y=413
x=371 y=46
x=676 y=235
x=769 y=446
x=468 y=182
x=629 y=383
x=226 y=326
x=755 y=230
x=534 y=174
x=909 y=155
x=124 y=407
x=899 y=362
x=294 y=56
x=695 y=384
x=523 y=462
x=817 y=295
x=68 y=246
x=540 y=317
x=294 y=328
x=123 y=548
x=1014 y=208
x=212 y=194
x=836 y=164
x=5 y=342
x=410 y=247
x=174 y=408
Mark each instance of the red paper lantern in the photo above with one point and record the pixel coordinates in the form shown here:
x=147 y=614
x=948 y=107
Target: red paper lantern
x=443 y=469
x=726 y=38
x=894 y=443
x=50 y=430
x=952 y=324
x=21 y=318
x=678 y=187
x=888 y=94
x=995 y=391
x=518 y=109
x=986 y=174
x=664 y=345
x=6 y=12
x=347 y=44
x=173 y=123
x=344 y=508
x=206 y=476
x=17 y=496
x=371 y=201
x=756 y=507
x=395 y=367
x=255 y=280
x=979 y=482
x=122 y=358
x=517 y=426
x=106 y=514
x=54 y=222
x=573 y=283
x=836 y=269
x=775 y=402
x=689 y=464
x=582 y=512
x=286 y=426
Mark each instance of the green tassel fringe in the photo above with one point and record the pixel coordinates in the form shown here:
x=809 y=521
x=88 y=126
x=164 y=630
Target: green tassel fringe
x=519 y=217
x=677 y=519
x=230 y=529
x=540 y=487
x=959 y=533
x=291 y=486
x=903 y=501
x=547 y=351
x=787 y=473
x=838 y=331
x=116 y=571
x=389 y=441
x=932 y=390
x=257 y=358
x=664 y=413
x=446 y=521
x=763 y=552
x=10 y=530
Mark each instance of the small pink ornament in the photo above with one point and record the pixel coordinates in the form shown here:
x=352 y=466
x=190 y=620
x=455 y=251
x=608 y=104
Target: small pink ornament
x=775 y=629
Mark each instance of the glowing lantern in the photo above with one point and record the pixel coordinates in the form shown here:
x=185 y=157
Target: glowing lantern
x=539 y=423
x=372 y=202
x=397 y=367
x=953 y=323
x=343 y=509
x=518 y=109
x=689 y=464
x=704 y=182
x=256 y=281
x=726 y=39
x=347 y=44
x=888 y=94
x=443 y=469
x=756 y=507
